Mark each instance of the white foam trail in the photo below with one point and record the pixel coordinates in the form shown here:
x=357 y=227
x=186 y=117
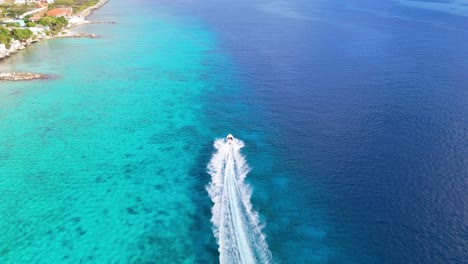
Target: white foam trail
x=235 y=225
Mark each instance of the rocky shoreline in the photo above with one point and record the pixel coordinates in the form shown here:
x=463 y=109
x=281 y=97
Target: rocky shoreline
x=17 y=46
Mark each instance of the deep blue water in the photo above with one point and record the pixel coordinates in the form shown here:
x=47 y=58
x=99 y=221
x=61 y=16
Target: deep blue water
x=353 y=116
x=363 y=107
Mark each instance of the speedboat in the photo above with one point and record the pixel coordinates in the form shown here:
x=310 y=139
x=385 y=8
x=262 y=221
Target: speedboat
x=229 y=138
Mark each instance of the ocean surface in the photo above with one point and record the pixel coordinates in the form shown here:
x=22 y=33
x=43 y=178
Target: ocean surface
x=353 y=117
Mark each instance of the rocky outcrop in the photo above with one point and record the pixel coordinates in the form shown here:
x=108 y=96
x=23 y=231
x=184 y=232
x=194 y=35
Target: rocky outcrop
x=15 y=46
x=4 y=52
x=76 y=35
x=21 y=76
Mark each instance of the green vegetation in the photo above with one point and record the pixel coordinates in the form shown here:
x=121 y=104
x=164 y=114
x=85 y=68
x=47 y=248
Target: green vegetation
x=5 y=37
x=12 y=24
x=77 y=5
x=61 y=3
x=21 y=34
x=16 y=33
x=55 y=24
x=26 y=18
x=31 y=24
x=14 y=11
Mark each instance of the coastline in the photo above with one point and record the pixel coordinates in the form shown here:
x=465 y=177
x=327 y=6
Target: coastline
x=80 y=18
x=88 y=11
x=76 y=20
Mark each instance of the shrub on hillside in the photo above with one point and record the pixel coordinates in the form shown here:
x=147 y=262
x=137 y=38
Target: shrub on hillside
x=21 y=34
x=11 y=24
x=56 y=24
x=5 y=37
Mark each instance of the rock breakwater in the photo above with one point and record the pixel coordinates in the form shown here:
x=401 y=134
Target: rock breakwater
x=21 y=76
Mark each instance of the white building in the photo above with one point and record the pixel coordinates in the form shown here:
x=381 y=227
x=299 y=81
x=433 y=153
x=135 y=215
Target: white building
x=37 y=30
x=20 y=2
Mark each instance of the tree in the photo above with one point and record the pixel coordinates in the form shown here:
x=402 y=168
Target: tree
x=56 y=24
x=5 y=37
x=26 y=18
x=21 y=34
x=11 y=24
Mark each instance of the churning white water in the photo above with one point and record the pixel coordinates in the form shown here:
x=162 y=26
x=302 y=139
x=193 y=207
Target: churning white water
x=235 y=225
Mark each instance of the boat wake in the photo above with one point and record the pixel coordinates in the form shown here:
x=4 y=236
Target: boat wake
x=235 y=225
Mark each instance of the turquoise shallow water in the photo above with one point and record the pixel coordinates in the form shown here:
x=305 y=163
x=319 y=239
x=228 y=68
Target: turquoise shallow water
x=97 y=164
x=354 y=131
x=107 y=161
